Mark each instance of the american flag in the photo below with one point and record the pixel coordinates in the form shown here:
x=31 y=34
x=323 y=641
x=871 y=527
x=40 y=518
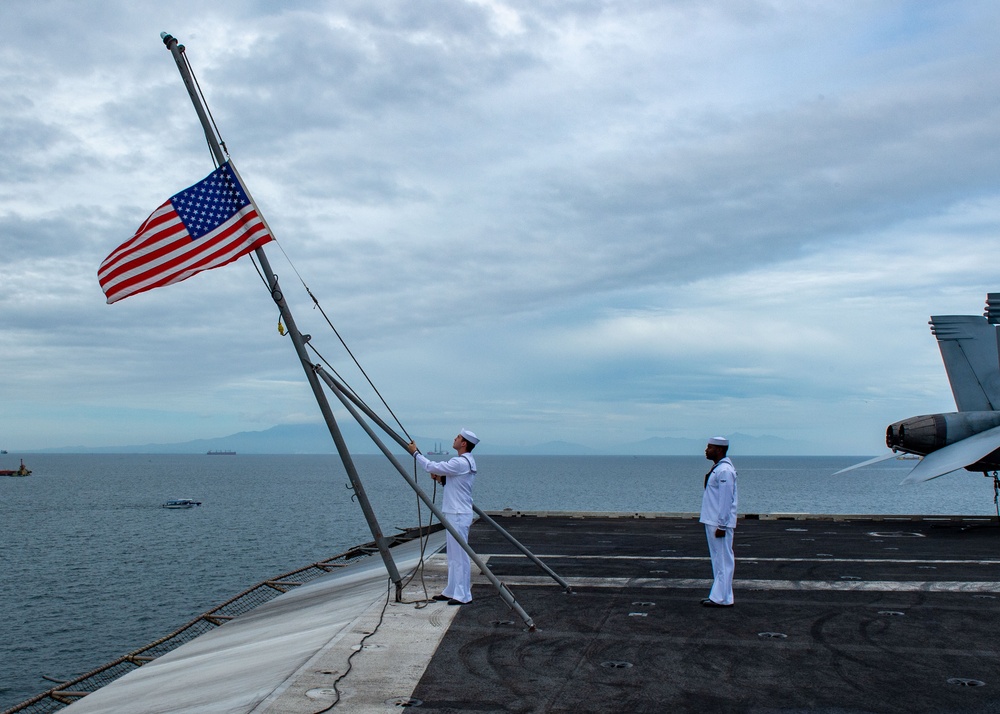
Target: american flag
x=207 y=225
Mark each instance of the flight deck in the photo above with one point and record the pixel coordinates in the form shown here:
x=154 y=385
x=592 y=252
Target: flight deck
x=832 y=614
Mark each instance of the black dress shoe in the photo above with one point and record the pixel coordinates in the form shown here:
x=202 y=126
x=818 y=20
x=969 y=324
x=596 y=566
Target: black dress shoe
x=705 y=601
x=440 y=598
x=456 y=602
x=713 y=603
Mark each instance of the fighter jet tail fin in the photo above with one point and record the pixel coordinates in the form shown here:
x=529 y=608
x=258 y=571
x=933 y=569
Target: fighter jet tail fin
x=969 y=349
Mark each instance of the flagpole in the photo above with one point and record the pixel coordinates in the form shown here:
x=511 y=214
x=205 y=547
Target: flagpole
x=298 y=340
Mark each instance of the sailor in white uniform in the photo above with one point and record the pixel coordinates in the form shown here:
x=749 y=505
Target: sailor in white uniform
x=458 y=474
x=718 y=513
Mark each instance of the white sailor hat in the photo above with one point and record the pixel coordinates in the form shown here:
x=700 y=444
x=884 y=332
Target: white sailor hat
x=719 y=441
x=469 y=436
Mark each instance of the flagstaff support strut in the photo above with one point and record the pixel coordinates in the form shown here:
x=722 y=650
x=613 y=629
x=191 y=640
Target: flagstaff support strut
x=343 y=392
x=502 y=589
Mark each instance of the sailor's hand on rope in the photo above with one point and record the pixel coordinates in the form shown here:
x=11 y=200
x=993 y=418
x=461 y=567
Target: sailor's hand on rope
x=412 y=447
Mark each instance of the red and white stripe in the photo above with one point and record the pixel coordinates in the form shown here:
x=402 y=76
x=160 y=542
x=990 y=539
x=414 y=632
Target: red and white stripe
x=162 y=251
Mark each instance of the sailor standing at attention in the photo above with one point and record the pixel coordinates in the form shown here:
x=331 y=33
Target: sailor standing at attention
x=457 y=476
x=718 y=513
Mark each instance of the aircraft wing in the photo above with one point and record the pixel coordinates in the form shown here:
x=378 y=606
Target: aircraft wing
x=869 y=462
x=955 y=456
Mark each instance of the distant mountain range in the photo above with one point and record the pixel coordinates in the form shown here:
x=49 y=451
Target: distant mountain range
x=315 y=439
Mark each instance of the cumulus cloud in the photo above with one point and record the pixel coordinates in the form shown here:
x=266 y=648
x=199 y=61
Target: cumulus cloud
x=574 y=220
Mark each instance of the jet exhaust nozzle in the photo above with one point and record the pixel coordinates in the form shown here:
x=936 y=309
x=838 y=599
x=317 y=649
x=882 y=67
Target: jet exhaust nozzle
x=927 y=433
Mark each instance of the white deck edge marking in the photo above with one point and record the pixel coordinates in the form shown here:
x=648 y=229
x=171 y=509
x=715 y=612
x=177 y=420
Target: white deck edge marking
x=944 y=586
x=751 y=559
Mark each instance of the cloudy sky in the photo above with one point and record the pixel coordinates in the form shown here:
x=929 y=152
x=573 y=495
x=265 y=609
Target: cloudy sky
x=587 y=221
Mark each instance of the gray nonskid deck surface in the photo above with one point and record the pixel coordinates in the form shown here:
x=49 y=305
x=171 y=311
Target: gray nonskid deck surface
x=894 y=615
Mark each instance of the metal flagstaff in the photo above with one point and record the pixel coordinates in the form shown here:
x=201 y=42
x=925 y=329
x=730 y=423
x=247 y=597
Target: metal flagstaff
x=299 y=340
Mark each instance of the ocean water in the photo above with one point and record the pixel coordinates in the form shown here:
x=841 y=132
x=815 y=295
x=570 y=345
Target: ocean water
x=92 y=567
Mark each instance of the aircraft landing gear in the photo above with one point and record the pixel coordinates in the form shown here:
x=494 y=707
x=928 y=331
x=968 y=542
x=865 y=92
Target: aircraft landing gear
x=996 y=491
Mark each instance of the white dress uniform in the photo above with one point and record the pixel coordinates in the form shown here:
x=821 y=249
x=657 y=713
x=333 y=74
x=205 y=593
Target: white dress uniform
x=456 y=504
x=718 y=510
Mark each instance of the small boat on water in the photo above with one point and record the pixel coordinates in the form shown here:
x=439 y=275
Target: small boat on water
x=222 y=452
x=438 y=451
x=23 y=471
x=181 y=503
